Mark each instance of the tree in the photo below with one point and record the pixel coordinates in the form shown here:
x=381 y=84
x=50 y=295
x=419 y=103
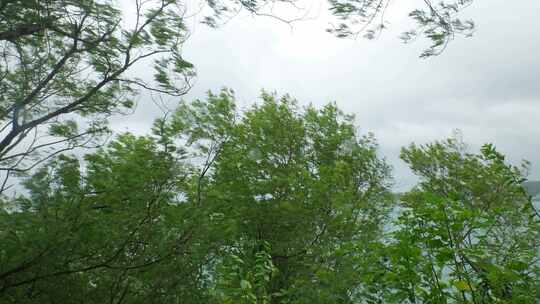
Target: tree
x=113 y=232
x=300 y=187
x=214 y=207
x=64 y=67
x=65 y=63
x=276 y=204
x=468 y=233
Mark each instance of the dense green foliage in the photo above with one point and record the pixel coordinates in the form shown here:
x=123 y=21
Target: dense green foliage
x=276 y=204
x=467 y=233
x=212 y=206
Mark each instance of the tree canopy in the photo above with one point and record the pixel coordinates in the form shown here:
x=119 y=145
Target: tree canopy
x=275 y=204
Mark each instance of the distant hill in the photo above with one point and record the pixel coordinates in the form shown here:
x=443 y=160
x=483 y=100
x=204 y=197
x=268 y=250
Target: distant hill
x=533 y=187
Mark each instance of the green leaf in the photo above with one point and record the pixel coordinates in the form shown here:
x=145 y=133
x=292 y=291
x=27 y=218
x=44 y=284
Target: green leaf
x=245 y=285
x=461 y=285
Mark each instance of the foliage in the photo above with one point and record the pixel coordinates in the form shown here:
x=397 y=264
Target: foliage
x=109 y=232
x=213 y=206
x=300 y=181
x=468 y=233
x=438 y=22
x=275 y=204
x=241 y=281
x=63 y=71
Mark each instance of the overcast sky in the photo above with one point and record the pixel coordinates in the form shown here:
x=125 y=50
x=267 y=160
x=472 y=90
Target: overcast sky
x=488 y=86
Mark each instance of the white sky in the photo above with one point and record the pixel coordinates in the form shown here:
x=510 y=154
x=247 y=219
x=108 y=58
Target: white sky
x=487 y=86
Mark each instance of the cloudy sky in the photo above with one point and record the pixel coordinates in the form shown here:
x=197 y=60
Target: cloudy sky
x=488 y=86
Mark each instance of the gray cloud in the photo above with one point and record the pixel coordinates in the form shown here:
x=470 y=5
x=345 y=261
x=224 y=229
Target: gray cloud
x=487 y=86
